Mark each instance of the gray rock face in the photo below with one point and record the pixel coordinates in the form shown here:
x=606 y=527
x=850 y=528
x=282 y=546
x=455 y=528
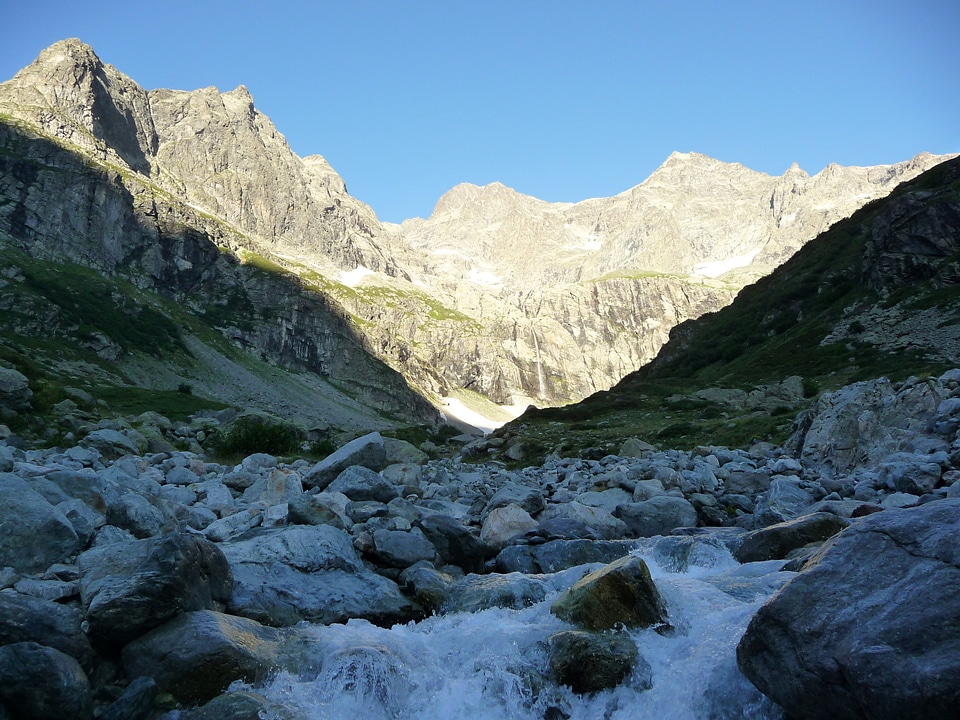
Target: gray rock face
x=33 y=534
x=130 y=588
x=870 y=627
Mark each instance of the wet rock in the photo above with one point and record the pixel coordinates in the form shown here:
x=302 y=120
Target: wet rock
x=622 y=593
x=33 y=534
x=871 y=626
x=42 y=683
x=557 y=555
x=591 y=662
x=428 y=586
x=479 y=592
x=129 y=588
x=454 y=543
x=196 y=656
x=777 y=541
x=135 y=703
x=241 y=705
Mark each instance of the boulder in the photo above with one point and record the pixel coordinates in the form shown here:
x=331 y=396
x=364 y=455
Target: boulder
x=312 y=509
x=777 y=541
x=591 y=662
x=367 y=451
x=241 y=705
x=128 y=588
x=135 y=703
x=29 y=619
x=196 y=656
x=15 y=392
x=113 y=444
x=601 y=524
x=479 y=592
x=657 y=516
x=401 y=549
x=426 y=584
x=33 y=533
x=785 y=500
x=42 y=683
x=557 y=555
x=528 y=498
x=871 y=627
x=454 y=543
x=503 y=524
x=309 y=572
x=622 y=593
x=360 y=484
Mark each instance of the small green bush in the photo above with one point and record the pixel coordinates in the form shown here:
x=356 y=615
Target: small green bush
x=810 y=387
x=185 y=389
x=255 y=434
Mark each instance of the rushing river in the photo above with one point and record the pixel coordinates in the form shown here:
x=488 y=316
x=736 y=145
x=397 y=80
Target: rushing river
x=494 y=664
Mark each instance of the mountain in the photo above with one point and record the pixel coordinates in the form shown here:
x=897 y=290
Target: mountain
x=191 y=205
x=878 y=294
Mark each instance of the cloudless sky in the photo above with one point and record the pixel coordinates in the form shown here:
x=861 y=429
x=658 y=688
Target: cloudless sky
x=560 y=100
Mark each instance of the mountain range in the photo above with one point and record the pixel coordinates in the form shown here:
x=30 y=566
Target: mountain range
x=167 y=240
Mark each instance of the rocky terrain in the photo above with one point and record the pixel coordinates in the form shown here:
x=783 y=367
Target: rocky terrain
x=139 y=584
x=497 y=297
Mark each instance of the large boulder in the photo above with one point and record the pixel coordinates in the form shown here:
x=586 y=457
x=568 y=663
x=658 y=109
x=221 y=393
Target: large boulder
x=600 y=523
x=309 y=572
x=454 y=543
x=367 y=451
x=556 y=555
x=33 y=533
x=504 y=524
x=359 y=483
x=777 y=541
x=622 y=593
x=479 y=592
x=591 y=662
x=196 y=656
x=657 y=516
x=24 y=618
x=15 y=390
x=128 y=588
x=871 y=627
x=42 y=683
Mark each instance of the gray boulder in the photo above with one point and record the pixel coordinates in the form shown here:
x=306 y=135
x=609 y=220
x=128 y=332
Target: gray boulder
x=657 y=516
x=454 y=543
x=128 y=588
x=367 y=451
x=359 y=484
x=33 y=533
x=42 y=683
x=196 y=656
x=15 y=392
x=479 y=592
x=135 y=703
x=556 y=555
x=871 y=627
x=785 y=500
x=600 y=523
x=30 y=619
x=401 y=549
x=113 y=444
x=241 y=705
x=777 y=541
x=591 y=662
x=528 y=498
x=622 y=593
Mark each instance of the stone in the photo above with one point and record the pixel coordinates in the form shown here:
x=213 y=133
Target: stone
x=134 y=512
x=590 y=662
x=871 y=626
x=601 y=524
x=42 y=683
x=15 y=393
x=30 y=619
x=233 y=525
x=785 y=500
x=527 y=498
x=241 y=705
x=428 y=586
x=395 y=548
x=113 y=444
x=556 y=555
x=657 y=516
x=635 y=448
x=402 y=452
x=775 y=542
x=367 y=451
x=622 y=593
x=480 y=592
x=359 y=484
x=196 y=655
x=279 y=486
x=504 y=524
x=135 y=703
x=129 y=588
x=33 y=533
x=454 y=543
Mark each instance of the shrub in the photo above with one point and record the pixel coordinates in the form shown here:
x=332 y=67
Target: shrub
x=810 y=387
x=256 y=434
x=185 y=389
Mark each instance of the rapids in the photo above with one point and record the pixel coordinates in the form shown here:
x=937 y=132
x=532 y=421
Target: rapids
x=494 y=664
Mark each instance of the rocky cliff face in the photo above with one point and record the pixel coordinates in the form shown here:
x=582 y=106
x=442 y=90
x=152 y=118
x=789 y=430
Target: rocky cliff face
x=497 y=292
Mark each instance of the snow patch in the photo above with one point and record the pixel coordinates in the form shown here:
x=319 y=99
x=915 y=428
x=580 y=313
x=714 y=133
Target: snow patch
x=719 y=267
x=488 y=279
x=452 y=407
x=353 y=277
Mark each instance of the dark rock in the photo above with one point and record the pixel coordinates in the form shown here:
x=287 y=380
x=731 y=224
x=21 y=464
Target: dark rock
x=777 y=541
x=42 y=683
x=871 y=627
x=657 y=516
x=401 y=549
x=130 y=588
x=240 y=705
x=136 y=702
x=622 y=593
x=557 y=555
x=530 y=499
x=33 y=534
x=196 y=656
x=479 y=592
x=591 y=662
x=454 y=543
x=426 y=584
x=29 y=619
x=307 y=509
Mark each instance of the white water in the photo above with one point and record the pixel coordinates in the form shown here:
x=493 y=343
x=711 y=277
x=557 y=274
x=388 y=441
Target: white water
x=493 y=665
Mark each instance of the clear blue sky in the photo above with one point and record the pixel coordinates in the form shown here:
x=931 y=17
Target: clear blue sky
x=560 y=100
